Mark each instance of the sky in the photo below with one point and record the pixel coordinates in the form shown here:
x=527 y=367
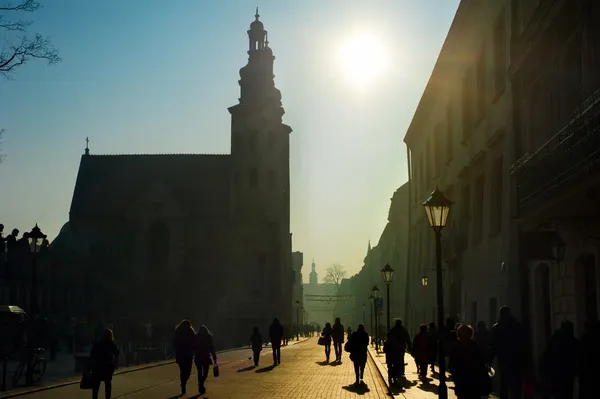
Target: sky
x=141 y=76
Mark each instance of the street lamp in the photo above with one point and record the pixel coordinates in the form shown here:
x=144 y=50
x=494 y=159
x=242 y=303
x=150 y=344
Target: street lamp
x=36 y=241
x=437 y=207
x=372 y=300
x=297 y=320
x=364 y=313
x=424 y=281
x=375 y=292
x=388 y=275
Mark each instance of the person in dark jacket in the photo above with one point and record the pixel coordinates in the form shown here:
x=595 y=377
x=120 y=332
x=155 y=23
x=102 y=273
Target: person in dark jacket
x=276 y=335
x=402 y=342
x=204 y=355
x=589 y=367
x=359 y=342
x=420 y=351
x=467 y=365
x=256 y=341
x=102 y=363
x=327 y=331
x=432 y=346
x=561 y=360
x=338 y=338
x=510 y=347
x=184 y=351
x=390 y=348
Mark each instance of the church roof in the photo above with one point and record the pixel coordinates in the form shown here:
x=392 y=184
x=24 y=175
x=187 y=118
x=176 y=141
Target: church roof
x=107 y=184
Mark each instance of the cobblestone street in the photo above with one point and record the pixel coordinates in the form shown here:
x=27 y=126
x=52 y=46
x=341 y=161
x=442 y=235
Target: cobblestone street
x=302 y=374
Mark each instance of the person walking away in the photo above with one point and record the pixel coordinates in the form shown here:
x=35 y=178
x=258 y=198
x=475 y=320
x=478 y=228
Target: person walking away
x=390 y=348
x=183 y=343
x=484 y=339
x=589 y=367
x=338 y=338
x=102 y=363
x=560 y=361
x=256 y=341
x=358 y=344
x=420 y=352
x=509 y=346
x=204 y=355
x=326 y=335
x=468 y=368
x=276 y=335
x=432 y=346
x=403 y=342
x=349 y=332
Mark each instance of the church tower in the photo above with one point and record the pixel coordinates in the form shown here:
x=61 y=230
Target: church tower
x=260 y=188
x=313 y=277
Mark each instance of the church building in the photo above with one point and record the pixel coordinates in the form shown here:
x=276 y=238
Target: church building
x=203 y=237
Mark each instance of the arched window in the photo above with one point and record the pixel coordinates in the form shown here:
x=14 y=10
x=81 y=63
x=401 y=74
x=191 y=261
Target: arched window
x=158 y=245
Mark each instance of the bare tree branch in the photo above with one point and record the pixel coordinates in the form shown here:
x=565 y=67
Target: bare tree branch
x=334 y=274
x=25 y=48
x=23 y=5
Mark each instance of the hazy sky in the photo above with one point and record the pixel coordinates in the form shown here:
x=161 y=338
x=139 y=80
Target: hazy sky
x=148 y=76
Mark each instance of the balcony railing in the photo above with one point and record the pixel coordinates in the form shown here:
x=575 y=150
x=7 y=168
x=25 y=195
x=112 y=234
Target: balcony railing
x=564 y=160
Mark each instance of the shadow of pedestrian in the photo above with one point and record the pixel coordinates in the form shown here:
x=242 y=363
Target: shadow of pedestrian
x=265 y=369
x=336 y=363
x=246 y=369
x=359 y=389
x=427 y=387
x=323 y=363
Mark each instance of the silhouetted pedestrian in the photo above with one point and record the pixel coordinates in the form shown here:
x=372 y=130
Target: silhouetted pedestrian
x=509 y=346
x=484 y=338
x=338 y=338
x=561 y=361
x=102 y=363
x=276 y=335
x=256 y=341
x=358 y=345
x=420 y=351
x=589 y=366
x=326 y=337
x=468 y=368
x=349 y=332
x=402 y=343
x=432 y=346
x=204 y=355
x=184 y=351
x=390 y=348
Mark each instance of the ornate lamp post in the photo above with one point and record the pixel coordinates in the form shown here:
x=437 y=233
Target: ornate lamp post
x=371 y=301
x=388 y=275
x=297 y=320
x=375 y=292
x=36 y=241
x=437 y=207
x=424 y=281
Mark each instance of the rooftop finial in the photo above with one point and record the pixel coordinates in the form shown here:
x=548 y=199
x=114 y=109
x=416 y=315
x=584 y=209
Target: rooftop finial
x=256 y=15
x=87 y=146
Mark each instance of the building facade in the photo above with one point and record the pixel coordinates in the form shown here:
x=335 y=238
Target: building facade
x=204 y=237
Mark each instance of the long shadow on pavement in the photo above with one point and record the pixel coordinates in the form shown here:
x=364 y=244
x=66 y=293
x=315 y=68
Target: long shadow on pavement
x=249 y=368
x=402 y=386
x=323 y=363
x=359 y=389
x=427 y=387
x=335 y=363
x=265 y=369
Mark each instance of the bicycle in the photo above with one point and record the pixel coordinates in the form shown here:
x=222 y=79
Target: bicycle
x=38 y=367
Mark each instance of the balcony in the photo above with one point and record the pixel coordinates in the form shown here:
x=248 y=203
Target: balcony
x=563 y=161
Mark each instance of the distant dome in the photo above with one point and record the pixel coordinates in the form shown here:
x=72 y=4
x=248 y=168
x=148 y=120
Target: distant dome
x=257 y=25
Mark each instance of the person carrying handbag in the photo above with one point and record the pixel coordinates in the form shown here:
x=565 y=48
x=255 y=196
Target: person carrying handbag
x=102 y=363
x=204 y=356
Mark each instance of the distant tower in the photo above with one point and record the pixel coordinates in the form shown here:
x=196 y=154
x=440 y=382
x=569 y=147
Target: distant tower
x=314 y=277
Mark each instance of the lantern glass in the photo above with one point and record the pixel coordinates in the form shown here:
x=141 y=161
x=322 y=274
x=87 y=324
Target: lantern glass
x=437 y=208
x=36 y=239
x=388 y=273
x=424 y=281
x=375 y=291
x=559 y=249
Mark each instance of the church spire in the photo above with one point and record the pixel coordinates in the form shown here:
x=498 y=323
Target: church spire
x=87 y=146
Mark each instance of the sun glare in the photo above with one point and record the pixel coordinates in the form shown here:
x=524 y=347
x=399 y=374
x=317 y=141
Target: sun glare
x=363 y=59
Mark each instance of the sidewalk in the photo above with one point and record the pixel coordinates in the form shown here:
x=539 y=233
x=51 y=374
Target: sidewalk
x=414 y=388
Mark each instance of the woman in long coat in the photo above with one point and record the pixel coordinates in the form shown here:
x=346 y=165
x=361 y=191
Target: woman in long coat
x=102 y=363
x=358 y=345
x=184 y=351
x=204 y=355
x=327 y=331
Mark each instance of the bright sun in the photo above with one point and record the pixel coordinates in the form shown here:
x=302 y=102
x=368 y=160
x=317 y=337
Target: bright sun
x=363 y=59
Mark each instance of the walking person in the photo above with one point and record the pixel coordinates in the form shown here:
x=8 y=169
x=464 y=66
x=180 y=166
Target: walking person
x=204 y=355
x=432 y=346
x=561 y=360
x=256 y=341
x=589 y=367
x=390 y=348
x=276 y=335
x=183 y=343
x=349 y=332
x=338 y=338
x=102 y=363
x=358 y=344
x=326 y=337
x=402 y=343
x=468 y=368
x=420 y=351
